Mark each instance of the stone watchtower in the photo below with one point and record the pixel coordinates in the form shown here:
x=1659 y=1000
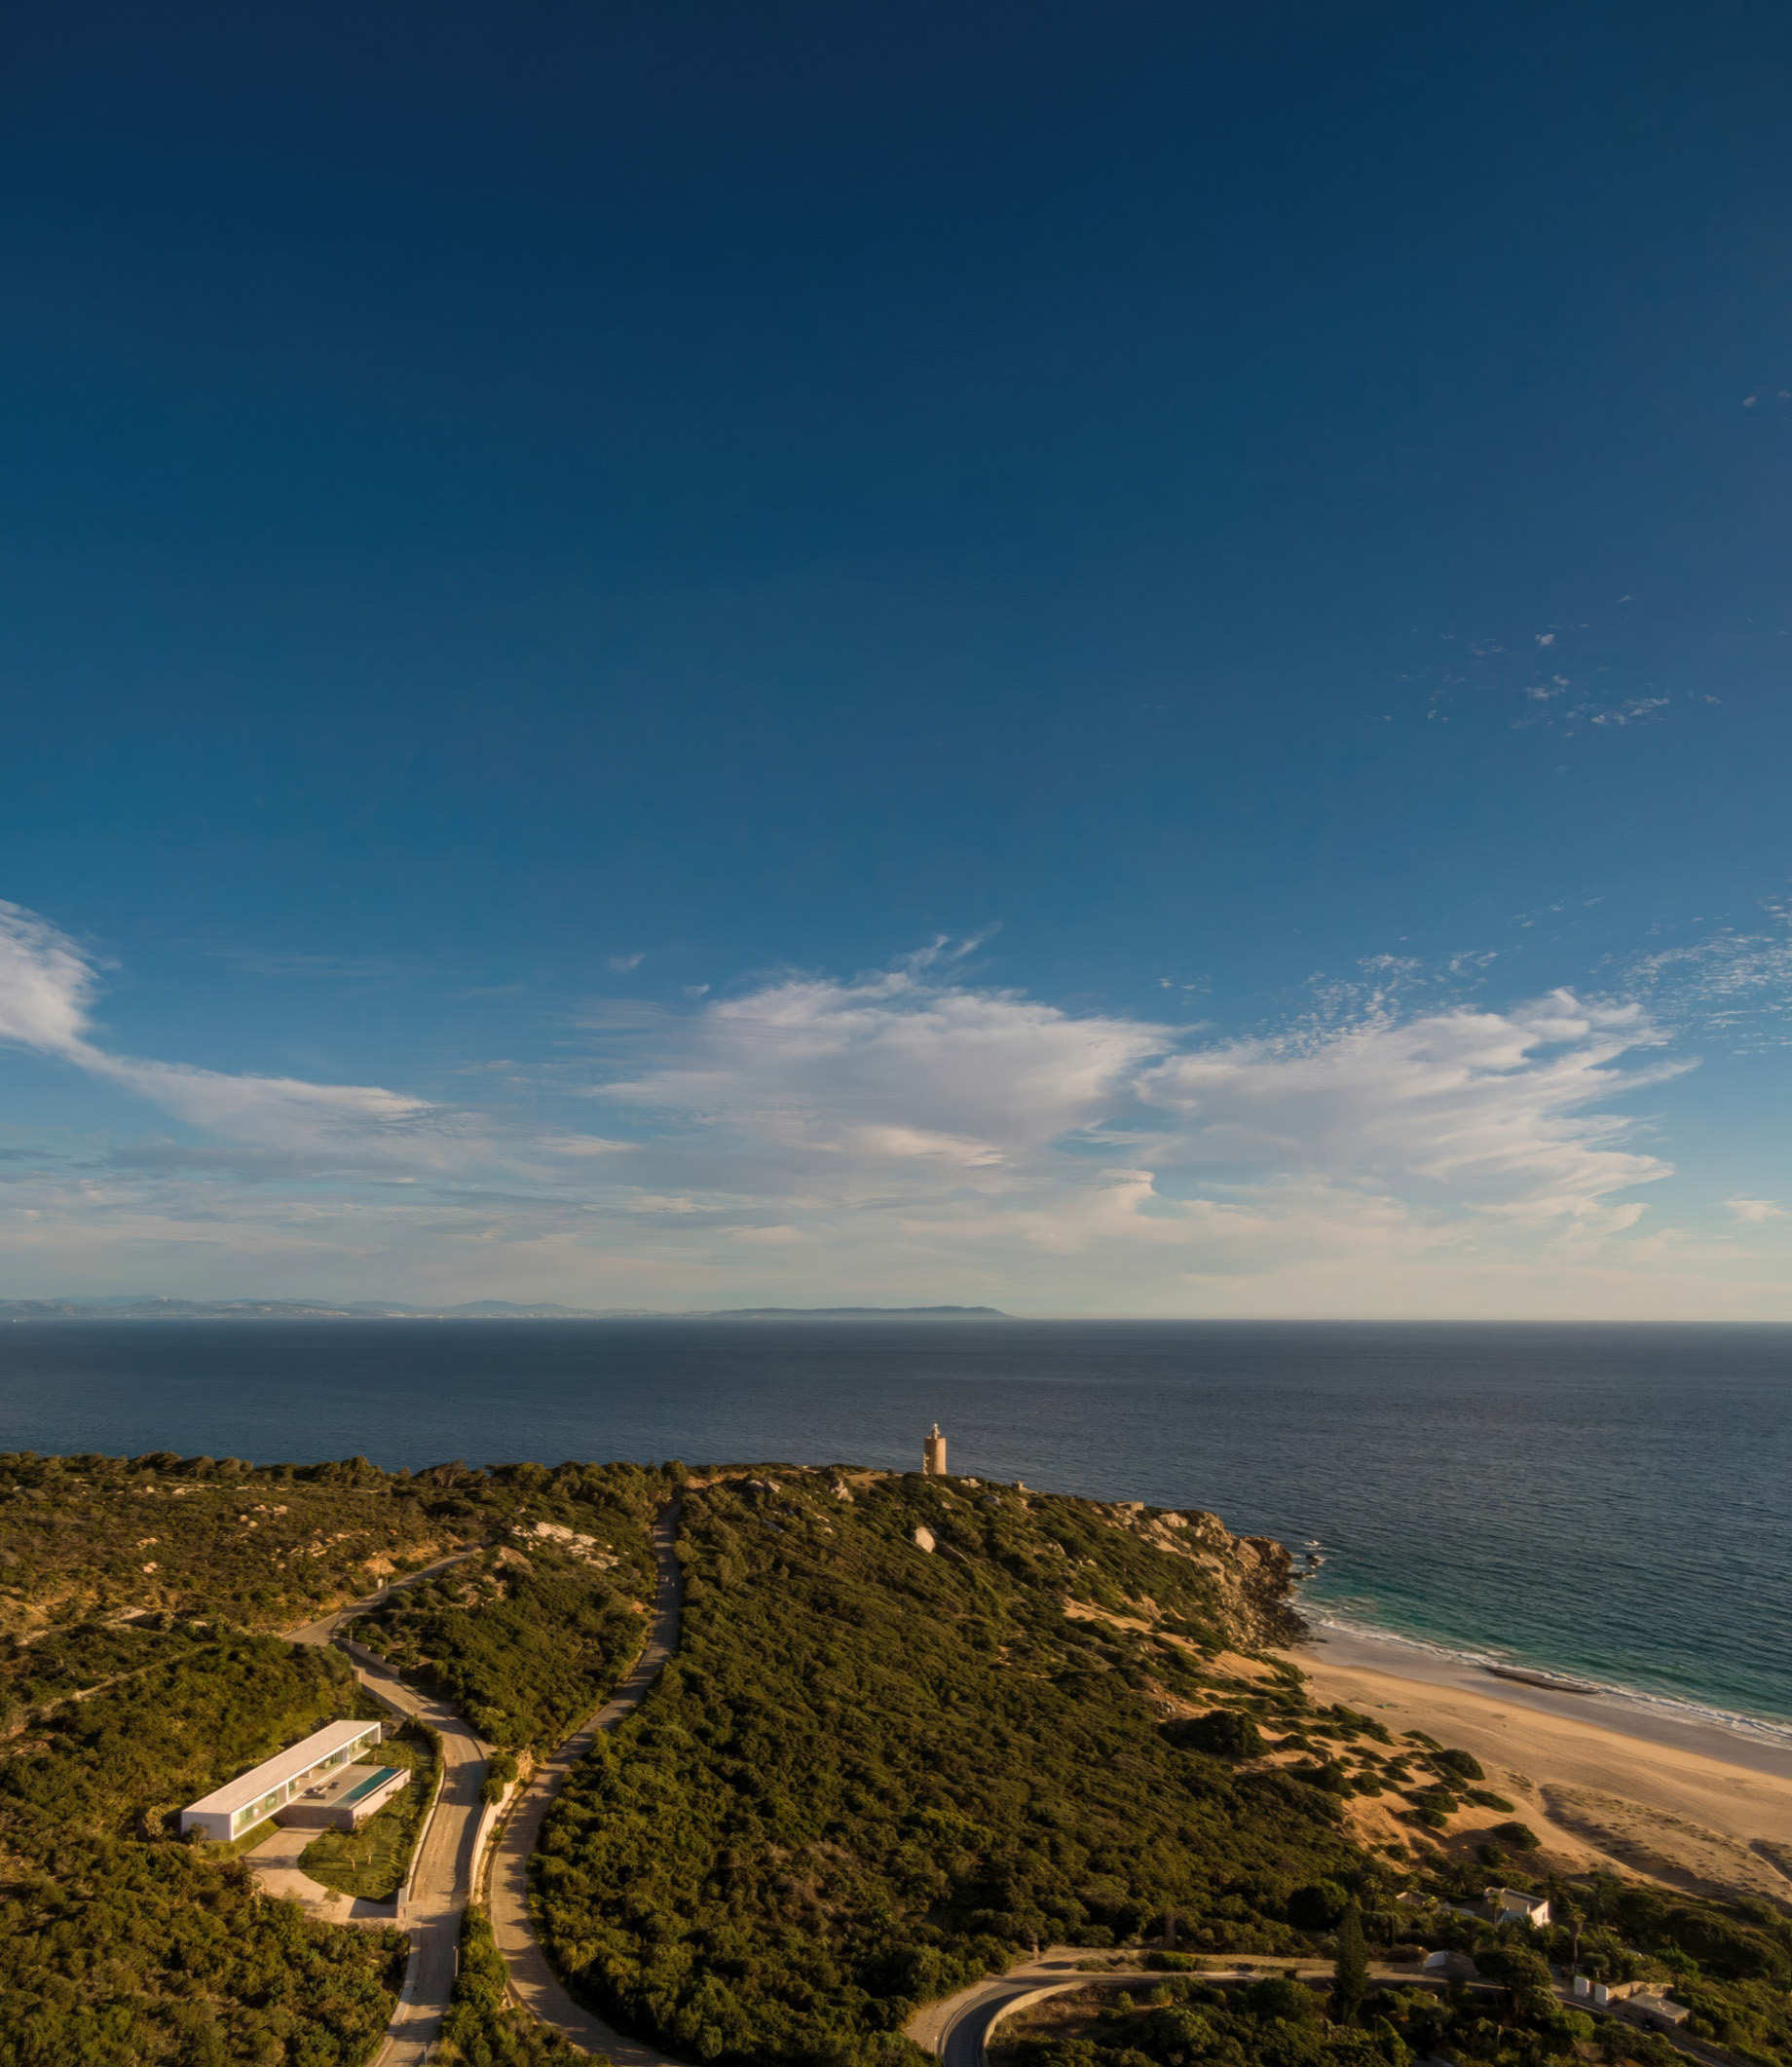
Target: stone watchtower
x=933 y=1455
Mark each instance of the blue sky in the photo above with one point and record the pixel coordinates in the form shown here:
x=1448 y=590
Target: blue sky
x=1102 y=659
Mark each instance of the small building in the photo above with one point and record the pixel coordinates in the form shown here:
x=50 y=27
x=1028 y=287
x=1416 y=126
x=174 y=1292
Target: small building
x=1451 y=1967
x=1648 y=2006
x=1642 y=2001
x=255 y=1795
x=1606 y=1995
x=1508 y=1906
x=933 y=1455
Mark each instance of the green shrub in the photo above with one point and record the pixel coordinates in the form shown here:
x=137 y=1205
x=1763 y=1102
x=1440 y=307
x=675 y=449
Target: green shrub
x=1222 y=1733
x=1462 y=1764
x=481 y=2029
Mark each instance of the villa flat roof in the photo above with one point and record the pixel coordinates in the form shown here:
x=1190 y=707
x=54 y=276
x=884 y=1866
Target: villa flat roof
x=283 y=1766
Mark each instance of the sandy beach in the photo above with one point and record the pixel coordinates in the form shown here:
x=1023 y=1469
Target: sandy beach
x=1692 y=1804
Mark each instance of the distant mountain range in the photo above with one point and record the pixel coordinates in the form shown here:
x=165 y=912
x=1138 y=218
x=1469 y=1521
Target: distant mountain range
x=129 y=1309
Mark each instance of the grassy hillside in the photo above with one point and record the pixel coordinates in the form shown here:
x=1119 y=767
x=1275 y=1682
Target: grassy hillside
x=876 y=1770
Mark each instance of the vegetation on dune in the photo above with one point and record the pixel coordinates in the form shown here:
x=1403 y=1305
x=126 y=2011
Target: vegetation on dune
x=875 y=1770
x=526 y=1640
x=120 y=1942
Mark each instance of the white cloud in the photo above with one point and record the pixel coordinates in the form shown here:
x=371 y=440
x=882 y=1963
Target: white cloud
x=912 y=1134
x=1636 y=712
x=1732 y=981
x=822 y=1065
x=46 y=988
x=1489 y=1110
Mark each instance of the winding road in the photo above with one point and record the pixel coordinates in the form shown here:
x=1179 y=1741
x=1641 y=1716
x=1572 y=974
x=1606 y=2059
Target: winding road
x=442 y=1874
x=443 y=1870
x=533 y=1981
x=957 y=2030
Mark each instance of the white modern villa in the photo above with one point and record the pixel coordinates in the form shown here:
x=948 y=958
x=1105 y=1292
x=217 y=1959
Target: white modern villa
x=264 y=1790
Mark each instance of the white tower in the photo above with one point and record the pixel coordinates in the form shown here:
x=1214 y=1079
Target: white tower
x=933 y=1455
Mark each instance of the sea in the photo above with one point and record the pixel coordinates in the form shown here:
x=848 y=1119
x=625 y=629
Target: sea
x=1611 y=1503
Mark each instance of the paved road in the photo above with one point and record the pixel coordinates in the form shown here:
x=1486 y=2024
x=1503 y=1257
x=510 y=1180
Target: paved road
x=957 y=2030
x=327 y=1628
x=443 y=1873
x=533 y=1981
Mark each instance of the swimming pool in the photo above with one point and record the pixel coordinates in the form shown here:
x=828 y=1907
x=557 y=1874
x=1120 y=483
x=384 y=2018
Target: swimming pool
x=376 y=1779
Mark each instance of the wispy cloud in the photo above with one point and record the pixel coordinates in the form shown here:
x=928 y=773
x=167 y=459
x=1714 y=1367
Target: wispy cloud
x=47 y=990
x=914 y=1133
x=1492 y=1111
x=328 y=968
x=1732 y=981
x=1572 y=678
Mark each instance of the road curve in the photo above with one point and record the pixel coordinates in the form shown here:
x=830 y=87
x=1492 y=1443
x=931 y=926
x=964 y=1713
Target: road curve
x=533 y=1981
x=327 y=1628
x=442 y=1872
x=957 y=2029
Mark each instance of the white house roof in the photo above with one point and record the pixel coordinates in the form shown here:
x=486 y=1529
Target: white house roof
x=283 y=1766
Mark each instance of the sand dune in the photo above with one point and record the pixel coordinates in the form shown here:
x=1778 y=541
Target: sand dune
x=1710 y=1813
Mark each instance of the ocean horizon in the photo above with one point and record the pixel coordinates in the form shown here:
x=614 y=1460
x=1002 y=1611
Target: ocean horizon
x=1607 y=1501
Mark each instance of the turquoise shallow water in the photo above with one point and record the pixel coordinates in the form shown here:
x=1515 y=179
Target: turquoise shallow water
x=1611 y=1502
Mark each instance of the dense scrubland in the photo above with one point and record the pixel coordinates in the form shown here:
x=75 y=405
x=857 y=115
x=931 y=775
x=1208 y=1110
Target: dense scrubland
x=120 y=1942
x=83 y=1540
x=117 y=1942
x=1282 y=2022
x=916 y=1729
x=483 y=2029
x=1729 y=1962
x=919 y=1728
x=528 y=1638
x=874 y=1770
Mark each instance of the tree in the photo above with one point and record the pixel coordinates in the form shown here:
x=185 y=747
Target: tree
x=1351 y=1976
x=1318 y=1906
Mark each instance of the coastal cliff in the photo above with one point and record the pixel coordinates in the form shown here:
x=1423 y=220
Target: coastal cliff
x=1252 y=1576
